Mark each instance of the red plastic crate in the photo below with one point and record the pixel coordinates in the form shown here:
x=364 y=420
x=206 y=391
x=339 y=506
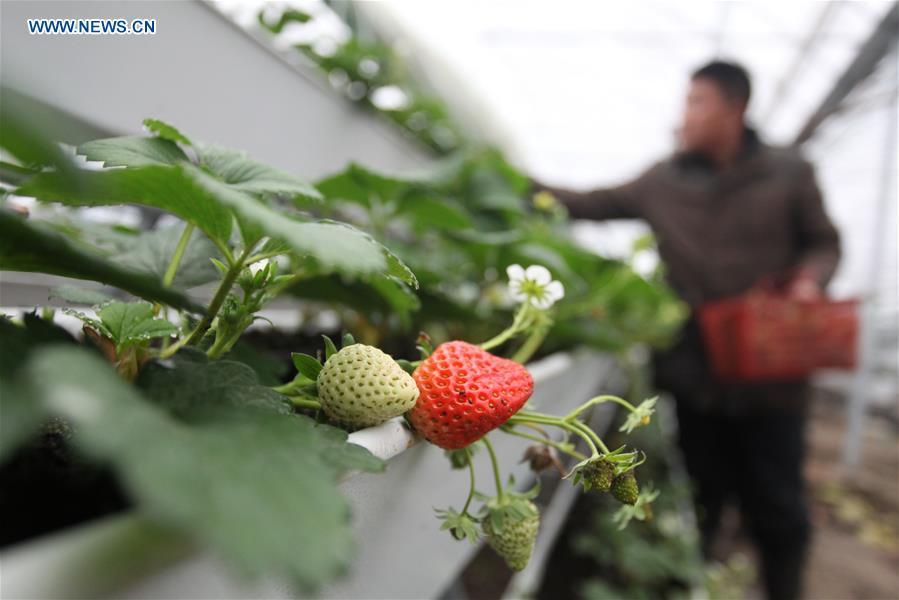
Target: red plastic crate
x=767 y=336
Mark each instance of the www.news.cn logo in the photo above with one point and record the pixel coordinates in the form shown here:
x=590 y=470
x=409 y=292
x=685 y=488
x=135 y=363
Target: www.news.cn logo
x=92 y=26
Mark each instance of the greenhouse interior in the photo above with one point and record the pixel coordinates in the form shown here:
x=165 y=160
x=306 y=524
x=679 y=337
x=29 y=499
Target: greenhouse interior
x=449 y=300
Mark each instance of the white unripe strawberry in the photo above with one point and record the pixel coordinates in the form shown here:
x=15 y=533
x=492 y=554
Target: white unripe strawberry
x=362 y=386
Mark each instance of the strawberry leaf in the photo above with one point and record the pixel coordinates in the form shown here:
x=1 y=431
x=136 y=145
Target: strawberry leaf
x=28 y=246
x=247 y=175
x=79 y=295
x=166 y=131
x=21 y=414
x=257 y=487
x=132 y=323
x=133 y=151
x=162 y=186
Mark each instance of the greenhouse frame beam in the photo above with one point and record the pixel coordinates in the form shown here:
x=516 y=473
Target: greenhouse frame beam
x=808 y=44
x=878 y=45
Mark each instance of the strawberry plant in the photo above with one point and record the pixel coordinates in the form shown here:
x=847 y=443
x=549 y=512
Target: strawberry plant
x=461 y=393
x=152 y=390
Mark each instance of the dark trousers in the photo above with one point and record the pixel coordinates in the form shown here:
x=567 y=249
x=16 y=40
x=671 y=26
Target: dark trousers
x=755 y=460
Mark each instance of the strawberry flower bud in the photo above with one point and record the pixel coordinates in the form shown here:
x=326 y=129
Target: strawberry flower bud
x=640 y=416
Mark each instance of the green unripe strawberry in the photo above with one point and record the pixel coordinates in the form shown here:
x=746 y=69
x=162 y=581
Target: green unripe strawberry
x=625 y=488
x=515 y=541
x=598 y=475
x=361 y=386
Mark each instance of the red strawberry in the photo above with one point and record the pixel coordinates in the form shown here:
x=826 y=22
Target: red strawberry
x=466 y=392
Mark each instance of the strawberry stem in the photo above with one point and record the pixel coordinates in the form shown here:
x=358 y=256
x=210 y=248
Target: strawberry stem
x=570 y=421
x=301 y=402
x=519 y=324
x=599 y=400
x=496 y=476
x=471 y=481
x=531 y=344
x=545 y=441
x=525 y=417
x=583 y=427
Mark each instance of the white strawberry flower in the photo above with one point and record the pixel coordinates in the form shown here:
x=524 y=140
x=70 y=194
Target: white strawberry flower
x=535 y=285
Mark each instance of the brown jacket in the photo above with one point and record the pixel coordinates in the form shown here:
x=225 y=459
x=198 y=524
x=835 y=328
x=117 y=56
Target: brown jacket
x=718 y=234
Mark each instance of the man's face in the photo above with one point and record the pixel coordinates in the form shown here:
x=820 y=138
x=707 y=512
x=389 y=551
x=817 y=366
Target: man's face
x=707 y=113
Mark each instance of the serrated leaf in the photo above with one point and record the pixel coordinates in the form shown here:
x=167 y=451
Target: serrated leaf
x=307 y=366
x=191 y=386
x=247 y=175
x=96 y=324
x=133 y=322
x=79 y=295
x=330 y=348
x=152 y=251
x=164 y=187
x=257 y=487
x=166 y=131
x=26 y=246
x=333 y=246
x=133 y=151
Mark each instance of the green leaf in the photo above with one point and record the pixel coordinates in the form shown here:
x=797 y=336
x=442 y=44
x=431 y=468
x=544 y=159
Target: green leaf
x=133 y=151
x=330 y=348
x=164 y=187
x=269 y=368
x=21 y=414
x=14 y=174
x=246 y=175
x=376 y=296
x=333 y=246
x=152 y=251
x=25 y=135
x=307 y=366
x=133 y=322
x=166 y=131
x=257 y=487
x=359 y=184
x=26 y=246
x=427 y=213
x=96 y=324
x=191 y=387
x=406 y=365
x=347 y=340
x=79 y=295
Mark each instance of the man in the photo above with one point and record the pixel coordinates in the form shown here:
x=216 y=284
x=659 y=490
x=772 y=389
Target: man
x=729 y=211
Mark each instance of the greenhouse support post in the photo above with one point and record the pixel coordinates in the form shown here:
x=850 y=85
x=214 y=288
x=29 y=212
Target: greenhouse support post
x=867 y=342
